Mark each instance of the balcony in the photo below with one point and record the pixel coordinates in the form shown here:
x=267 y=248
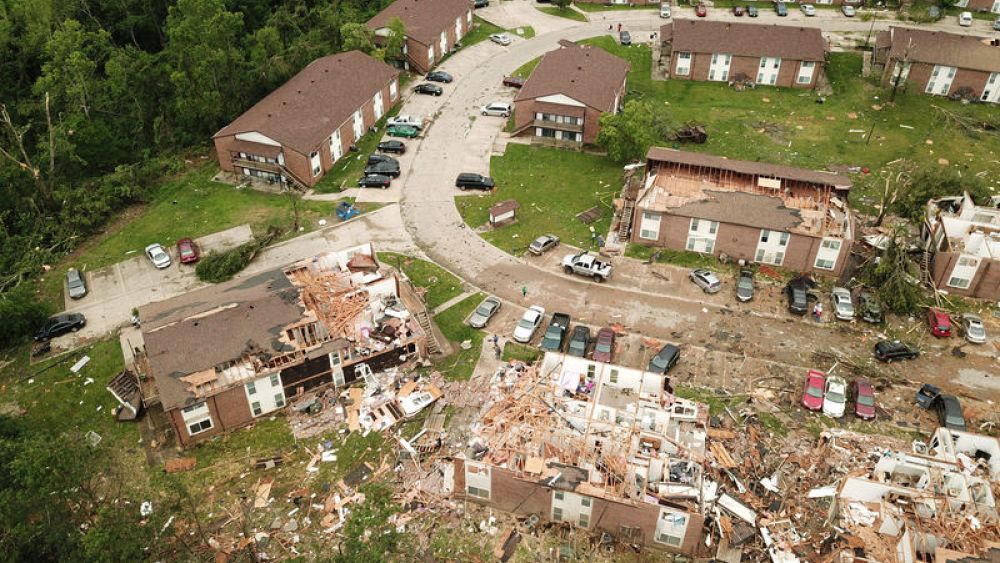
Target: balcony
x=256 y=165
x=557 y=125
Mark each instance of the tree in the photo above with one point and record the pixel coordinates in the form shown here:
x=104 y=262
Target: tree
x=897 y=179
x=890 y=275
x=17 y=153
x=629 y=134
x=393 y=50
x=929 y=183
x=358 y=36
x=71 y=74
x=562 y=4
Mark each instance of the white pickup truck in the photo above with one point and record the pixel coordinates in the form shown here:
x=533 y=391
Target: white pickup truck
x=404 y=119
x=587 y=265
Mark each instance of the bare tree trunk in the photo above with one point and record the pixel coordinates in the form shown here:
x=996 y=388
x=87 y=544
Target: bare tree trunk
x=24 y=162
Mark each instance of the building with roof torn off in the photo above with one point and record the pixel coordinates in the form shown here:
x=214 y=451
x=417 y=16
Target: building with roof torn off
x=597 y=446
x=778 y=215
x=221 y=356
x=962 y=246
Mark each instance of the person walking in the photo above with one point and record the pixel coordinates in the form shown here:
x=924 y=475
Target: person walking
x=524 y=291
x=619 y=28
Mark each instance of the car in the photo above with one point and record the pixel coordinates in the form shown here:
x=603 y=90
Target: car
x=439 y=76
x=939 y=322
x=500 y=39
x=586 y=264
x=975 y=332
x=604 y=348
x=892 y=350
x=927 y=395
x=799 y=296
x=965 y=19
x=76 y=287
x=949 y=412
x=808 y=9
x=744 y=285
x=528 y=324
x=701 y=10
x=395 y=147
x=555 y=334
x=781 y=9
x=664 y=360
x=404 y=119
x=864 y=399
x=467 y=180
x=624 y=38
x=752 y=11
x=812 y=396
x=706 y=280
x=59 y=325
x=835 y=397
x=579 y=341
x=429 y=89
x=869 y=307
x=480 y=3
x=543 y=244
x=500 y=109
x=484 y=312
x=406 y=131
x=377 y=158
x=996 y=24
x=384 y=168
x=158 y=256
x=738 y=11
x=848 y=11
x=374 y=181
x=514 y=81
x=187 y=251
x=664 y=10
x=843 y=306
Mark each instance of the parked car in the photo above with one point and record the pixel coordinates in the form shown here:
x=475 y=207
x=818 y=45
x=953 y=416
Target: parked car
x=664 y=360
x=76 y=287
x=396 y=147
x=499 y=109
x=799 y=296
x=187 y=251
x=843 y=306
x=781 y=9
x=738 y=11
x=529 y=322
x=835 y=397
x=808 y=9
x=624 y=38
x=480 y=3
x=752 y=11
x=59 y=325
x=404 y=119
x=543 y=244
x=484 y=312
x=586 y=264
x=949 y=412
x=939 y=322
x=374 y=181
x=706 y=280
x=500 y=39
x=965 y=19
x=975 y=332
x=429 y=89
x=604 y=349
x=406 y=131
x=701 y=10
x=555 y=335
x=384 y=168
x=864 y=399
x=664 y=10
x=744 y=285
x=996 y=24
x=869 y=307
x=848 y=11
x=892 y=350
x=158 y=256
x=812 y=396
x=377 y=158
x=579 y=341
x=927 y=394
x=467 y=180
x=514 y=81
x=439 y=76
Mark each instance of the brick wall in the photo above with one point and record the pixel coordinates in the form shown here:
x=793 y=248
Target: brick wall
x=920 y=74
x=985 y=285
x=788 y=72
x=416 y=52
x=229 y=410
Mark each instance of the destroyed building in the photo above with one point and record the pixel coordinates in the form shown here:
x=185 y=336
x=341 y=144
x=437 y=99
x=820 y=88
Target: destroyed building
x=217 y=358
x=962 y=246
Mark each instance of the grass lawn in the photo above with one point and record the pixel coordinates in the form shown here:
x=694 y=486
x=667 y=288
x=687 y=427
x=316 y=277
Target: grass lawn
x=514 y=351
x=482 y=30
x=460 y=365
x=351 y=166
x=440 y=284
x=681 y=258
x=591 y=7
x=552 y=186
x=567 y=13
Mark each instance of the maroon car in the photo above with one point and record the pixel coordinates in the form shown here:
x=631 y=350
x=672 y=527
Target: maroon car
x=513 y=81
x=864 y=399
x=738 y=11
x=188 y=251
x=605 y=348
x=812 y=396
x=701 y=10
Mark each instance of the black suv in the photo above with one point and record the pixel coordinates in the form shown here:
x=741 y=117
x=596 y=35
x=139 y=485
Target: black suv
x=392 y=146
x=390 y=169
x=949 y=412
x=59 y=325
x=374 y=181
x=799 y=295
x=377 y=158
x=891 y=350
x=428 y=88
x=466 y=181
x=579 y=342
x=665 y=359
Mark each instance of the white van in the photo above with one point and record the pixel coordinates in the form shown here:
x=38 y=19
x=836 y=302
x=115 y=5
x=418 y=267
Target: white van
x=965 y=19
x=665 y=10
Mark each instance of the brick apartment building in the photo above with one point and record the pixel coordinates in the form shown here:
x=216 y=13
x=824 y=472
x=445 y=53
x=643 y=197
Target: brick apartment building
x=433 y=28
x=939 y=63
x=569 y=90
x=980 y=5
x=778 y=215
x=767 y=55
x=295 y=134
x=962 y=242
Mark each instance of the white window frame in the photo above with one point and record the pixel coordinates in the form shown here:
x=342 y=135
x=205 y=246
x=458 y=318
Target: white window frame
x=377 y=105
x=828 y=254
x=806 y=71
x=768 y=70
x=964 y=271
x=939 y=83
x=671 y=528
x=315 y=163
x=685 y=69
x=393 y=91
x=718 y=69
x=649 y=226
x=196 y=415
x=336 y=146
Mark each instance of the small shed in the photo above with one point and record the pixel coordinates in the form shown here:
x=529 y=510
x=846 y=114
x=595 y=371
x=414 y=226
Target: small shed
x=503 y=212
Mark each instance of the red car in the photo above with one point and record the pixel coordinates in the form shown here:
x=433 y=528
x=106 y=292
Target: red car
x=700 y=10
x=513 y=81
x=940 y=323
x=864 y=399
x=812 y=397
x=187 y=250
x=605 y=347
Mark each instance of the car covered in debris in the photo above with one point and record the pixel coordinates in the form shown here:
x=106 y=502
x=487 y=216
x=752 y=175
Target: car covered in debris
x=939 y=322
x=528 y=324
x=927 y=394
x=484 y=312
x=706 y=280
x=555 y=334
x=869 y=307
x=587 y=264
x=604 y=349
x=812 y=396
x=579 y=341
x=843 y=306
x=543 y=244
x=975 y=332
x=892 y=350
x=864 y=399
x=835 y=397
x=744 y=285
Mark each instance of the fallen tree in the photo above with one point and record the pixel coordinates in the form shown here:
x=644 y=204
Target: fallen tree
x=222 y=266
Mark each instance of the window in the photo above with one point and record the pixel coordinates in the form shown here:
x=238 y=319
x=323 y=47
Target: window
x=713 y=226
x=255 y=407
x=393 y=92
x=979 y=217
x=806 y=70
x=477 y=492
x=832 y=245
x=784 y=239
x=614 y=376
x=671 y=527
x=960 y=283
x=760 y=255
x=314 y=160
x=585 y=502
x=542 y=132
x=200 y=426
x=683 y=66
x=584 y=520
x=824 y=264
x=764 y=235
x=195 y=410
x=591 y=371
x=649 y=228
x=274 y=381
x=694 y=225
x=560 y=495
x=279 y=400
x=251 y=388
x=557 y=514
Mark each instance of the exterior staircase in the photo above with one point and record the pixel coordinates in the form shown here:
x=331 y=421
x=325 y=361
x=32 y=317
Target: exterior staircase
x=293 y=181
x=425 y=324
x=625 y=222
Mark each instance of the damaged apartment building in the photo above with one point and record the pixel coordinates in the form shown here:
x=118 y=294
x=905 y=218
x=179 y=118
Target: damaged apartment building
x=222 y=356
x=596 y=446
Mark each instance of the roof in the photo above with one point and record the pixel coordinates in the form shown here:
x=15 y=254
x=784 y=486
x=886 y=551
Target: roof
x=587 y=74
x=664 y=154
x=304 y=112
x=937 y=47
x=745 y=39
x=423 y=20
x=740 y=208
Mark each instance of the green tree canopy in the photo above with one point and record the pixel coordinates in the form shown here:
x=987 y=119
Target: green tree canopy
x=629 y=134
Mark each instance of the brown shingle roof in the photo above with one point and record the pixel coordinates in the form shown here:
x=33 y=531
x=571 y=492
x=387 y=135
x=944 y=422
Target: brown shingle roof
x=740 y=208
x=305 y=111
x=587 y=74
x=664 y=154
x=745 y=39
x=424 y=20
x=940 y=48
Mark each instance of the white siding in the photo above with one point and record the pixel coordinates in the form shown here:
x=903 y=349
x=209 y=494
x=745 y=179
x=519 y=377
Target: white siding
x=701 y=235
x=265 y=395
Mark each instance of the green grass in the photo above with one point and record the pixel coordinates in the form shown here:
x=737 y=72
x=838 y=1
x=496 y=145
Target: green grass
x=567 y=13
x=482 y=30
x=524 y=70
x=681 y=258
x=514 y=351
x=592 y=7
x=716 y=404
x=552 y=186
x=351 y=166
x=460 y=365
x=440 y=284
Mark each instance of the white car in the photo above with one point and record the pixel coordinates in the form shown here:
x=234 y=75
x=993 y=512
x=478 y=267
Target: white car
x=835 y=397
x=403 y=119
x=158 y=256
x=975 y=332
x=808 y=10
x=530 y=322
x=965 y=19
x=849 y=11
x=500 y=38
x=664 y=10
x=500 y=109
x=843 y=307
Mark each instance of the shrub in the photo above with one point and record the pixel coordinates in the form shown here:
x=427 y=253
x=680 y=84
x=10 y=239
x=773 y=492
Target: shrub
x=22 y=314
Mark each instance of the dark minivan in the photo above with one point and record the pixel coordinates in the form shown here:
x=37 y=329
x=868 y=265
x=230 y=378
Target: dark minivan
x=949 y=412
x=665 y=359
x=468 y=180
